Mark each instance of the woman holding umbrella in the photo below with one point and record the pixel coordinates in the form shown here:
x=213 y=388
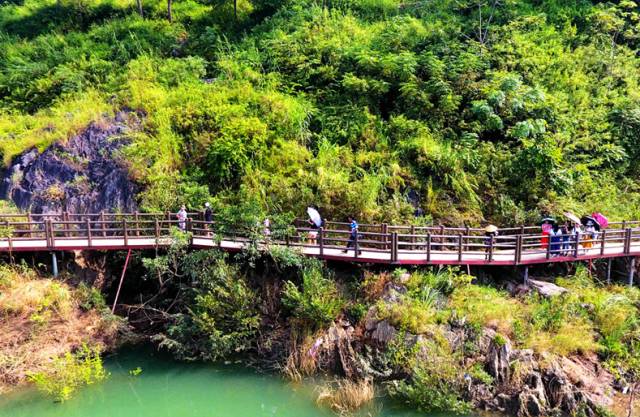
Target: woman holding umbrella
x=315 y=222
x=591 y=227
x=546 y=225
x=572 y=230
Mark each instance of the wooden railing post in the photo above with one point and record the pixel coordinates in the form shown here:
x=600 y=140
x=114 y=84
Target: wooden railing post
x=135 y=216
x=576 y=250
x=104 y=225
x=459 y=247
x=29 y=219
x=467 y=231
x=124 y=231
x=413 y=237
x=518 y=249
x=88 y=226
x=321 y=240
x=627 y=241
x=385 y=238
x=65 y=219
x=52 y=237
x=428 y=247
x=394 y=247
x=491 y=248
x=603 y=239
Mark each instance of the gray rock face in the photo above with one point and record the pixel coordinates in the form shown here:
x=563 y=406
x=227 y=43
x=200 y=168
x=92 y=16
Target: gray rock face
x=498 y=361
x=83 y=175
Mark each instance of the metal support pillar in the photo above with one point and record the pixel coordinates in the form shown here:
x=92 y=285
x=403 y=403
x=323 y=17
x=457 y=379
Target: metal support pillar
x=632 y=270
x=526 y=275
x=609 y=271
x=54 y=264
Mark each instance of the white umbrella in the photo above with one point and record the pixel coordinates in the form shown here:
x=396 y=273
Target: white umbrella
x=314 y=216
x=572 y=217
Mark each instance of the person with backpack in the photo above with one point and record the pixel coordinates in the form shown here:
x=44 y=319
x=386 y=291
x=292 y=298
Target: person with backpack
x=353 y=235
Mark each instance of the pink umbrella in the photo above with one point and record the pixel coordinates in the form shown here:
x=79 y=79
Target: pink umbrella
x=601 y=219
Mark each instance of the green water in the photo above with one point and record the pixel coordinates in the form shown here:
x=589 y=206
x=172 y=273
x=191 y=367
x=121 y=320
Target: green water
x=166 y=388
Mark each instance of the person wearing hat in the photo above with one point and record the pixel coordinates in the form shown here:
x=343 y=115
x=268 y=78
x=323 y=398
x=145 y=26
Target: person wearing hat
x=490 y=233
x=208 y=218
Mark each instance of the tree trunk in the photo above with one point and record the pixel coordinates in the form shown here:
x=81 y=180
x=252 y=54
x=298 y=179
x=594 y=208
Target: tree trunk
x=169 y=16
x=139 y=3
x=235 y=9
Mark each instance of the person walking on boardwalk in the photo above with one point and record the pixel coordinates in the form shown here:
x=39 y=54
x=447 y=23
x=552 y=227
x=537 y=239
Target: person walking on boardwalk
x=208 y=218
x=555 y=235
x=353 y=235
x=546 y=226
x=490 y=233
x=315 y=222
x=182 y=218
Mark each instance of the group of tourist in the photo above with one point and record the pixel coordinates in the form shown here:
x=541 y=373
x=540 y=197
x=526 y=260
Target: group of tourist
x=560 y=238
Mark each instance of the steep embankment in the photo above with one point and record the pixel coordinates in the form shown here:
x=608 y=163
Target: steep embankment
x=43 y=319
x=84 y=174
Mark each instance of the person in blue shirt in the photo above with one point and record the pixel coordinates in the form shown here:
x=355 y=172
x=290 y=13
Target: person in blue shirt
x=353 y=227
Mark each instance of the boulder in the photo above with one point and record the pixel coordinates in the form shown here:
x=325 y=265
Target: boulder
x=547 y=289
x=83 y=174
x=498 y=359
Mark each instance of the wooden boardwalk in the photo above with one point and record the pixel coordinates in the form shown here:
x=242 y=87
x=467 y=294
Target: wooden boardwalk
x=381 y=244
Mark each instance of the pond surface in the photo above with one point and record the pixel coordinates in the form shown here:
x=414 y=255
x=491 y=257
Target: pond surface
x=166 y=388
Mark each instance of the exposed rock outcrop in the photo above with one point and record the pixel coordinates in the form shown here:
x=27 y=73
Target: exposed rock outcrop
x=79 y=176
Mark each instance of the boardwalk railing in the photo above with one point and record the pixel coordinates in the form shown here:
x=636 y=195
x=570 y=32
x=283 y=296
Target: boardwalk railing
x=376 y=243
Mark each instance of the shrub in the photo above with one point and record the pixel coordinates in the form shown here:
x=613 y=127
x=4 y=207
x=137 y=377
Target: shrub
x=90 y=297
x=436 y=382
x=223 y=317
x=65 y=374
x=317 y=303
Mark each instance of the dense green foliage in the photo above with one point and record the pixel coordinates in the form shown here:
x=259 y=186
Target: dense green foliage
x=217 y=314
x=533 y=107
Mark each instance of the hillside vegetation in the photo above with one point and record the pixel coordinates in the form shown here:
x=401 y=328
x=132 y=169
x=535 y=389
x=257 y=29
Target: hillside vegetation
x=485 y=109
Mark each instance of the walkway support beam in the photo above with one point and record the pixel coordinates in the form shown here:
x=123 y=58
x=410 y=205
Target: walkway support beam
x=124 y=270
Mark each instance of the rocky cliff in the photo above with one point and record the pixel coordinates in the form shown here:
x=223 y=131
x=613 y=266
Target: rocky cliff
x=83 y=175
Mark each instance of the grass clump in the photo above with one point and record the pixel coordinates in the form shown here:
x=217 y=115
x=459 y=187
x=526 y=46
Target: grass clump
x=65 y=374
x=486 y=307
x=346 y=396
x=410 y=315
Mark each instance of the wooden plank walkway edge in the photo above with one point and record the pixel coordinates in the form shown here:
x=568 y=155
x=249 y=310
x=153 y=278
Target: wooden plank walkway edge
x=381 y=244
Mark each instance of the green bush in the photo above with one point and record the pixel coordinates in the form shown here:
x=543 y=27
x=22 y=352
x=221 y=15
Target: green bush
x=436 y=382
x=318 y=301
x=66 y=374
x=222 y=318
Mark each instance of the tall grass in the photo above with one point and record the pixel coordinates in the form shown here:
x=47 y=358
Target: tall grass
x=345 y=396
